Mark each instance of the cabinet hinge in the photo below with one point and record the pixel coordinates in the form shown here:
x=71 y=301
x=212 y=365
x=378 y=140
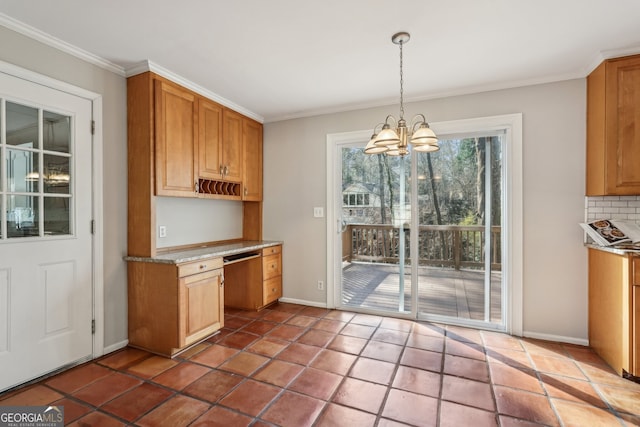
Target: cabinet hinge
x=93 y=326
x=93 y=127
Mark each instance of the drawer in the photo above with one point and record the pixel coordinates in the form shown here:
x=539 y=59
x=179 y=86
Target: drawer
x=189 y=268
x=272 y=290
x=271 y=266
x=271 y=250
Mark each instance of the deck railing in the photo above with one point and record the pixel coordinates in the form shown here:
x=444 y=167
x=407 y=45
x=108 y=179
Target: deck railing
x=438 y=245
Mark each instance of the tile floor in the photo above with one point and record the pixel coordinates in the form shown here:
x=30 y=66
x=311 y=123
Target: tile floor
x=296 y=366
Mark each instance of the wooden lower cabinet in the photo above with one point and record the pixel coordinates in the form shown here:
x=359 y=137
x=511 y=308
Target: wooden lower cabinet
x=613 y=309
x=173 y=306
x=254 y=282
x=271 y=274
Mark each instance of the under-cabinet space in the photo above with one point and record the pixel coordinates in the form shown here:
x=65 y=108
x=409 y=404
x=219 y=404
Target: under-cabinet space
x=254 y=282
x=243 y=280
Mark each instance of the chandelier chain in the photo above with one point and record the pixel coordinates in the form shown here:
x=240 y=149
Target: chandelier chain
x=401 y=85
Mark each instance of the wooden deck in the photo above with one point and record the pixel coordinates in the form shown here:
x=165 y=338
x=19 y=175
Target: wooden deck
x=442 y=291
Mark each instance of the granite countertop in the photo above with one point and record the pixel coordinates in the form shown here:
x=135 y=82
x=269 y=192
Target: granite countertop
x=178 y=257
x=613 y=249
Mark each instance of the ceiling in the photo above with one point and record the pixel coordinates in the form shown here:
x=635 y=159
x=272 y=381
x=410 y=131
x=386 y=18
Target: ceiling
x=282 y=59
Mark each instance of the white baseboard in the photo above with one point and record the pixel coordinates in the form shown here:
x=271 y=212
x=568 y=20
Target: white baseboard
x=557 y=338
x=116 y=346
x=303 y=302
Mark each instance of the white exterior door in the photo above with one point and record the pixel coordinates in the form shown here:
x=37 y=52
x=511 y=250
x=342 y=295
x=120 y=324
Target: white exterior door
x=46 y=245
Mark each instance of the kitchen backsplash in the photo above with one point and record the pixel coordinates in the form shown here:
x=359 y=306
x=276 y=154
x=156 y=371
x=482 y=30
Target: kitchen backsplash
x=612 y=207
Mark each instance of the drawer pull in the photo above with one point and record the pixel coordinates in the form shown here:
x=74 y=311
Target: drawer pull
x=203 y=266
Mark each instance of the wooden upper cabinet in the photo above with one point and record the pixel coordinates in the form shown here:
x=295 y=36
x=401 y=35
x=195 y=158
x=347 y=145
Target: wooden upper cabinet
x=231 y=145
x=210 y=139
x=252 y=159
x=613 y=128
x=176 y=149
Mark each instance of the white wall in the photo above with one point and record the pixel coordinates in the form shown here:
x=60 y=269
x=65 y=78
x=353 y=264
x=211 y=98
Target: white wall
x=555 y=266
x=32 y=55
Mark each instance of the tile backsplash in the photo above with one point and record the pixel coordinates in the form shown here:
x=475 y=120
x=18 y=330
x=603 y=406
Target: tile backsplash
x=612 y=207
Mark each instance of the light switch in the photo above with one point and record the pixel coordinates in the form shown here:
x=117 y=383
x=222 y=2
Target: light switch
x=318 y=212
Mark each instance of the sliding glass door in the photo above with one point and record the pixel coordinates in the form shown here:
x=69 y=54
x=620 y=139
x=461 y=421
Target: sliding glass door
x=422 y=236
x=460 y=211
x=375 y=231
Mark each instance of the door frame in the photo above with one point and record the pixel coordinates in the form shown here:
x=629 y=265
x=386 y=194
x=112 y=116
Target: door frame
x=513 y=274
x=97 y=193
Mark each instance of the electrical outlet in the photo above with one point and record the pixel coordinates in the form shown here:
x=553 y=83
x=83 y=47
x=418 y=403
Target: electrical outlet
x=320 y=285
x=318 y=212
x=162 y=231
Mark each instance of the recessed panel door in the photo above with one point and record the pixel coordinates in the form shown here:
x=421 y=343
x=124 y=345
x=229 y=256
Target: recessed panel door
x=46 y=262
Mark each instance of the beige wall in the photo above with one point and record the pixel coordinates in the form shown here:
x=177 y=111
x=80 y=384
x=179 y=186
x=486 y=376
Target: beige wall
x=555 y=271
x=32 y=55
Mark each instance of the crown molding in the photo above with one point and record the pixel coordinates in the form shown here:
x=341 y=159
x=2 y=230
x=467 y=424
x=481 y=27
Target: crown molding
x=609 y=54
x=464 y=91
x=49 y=40
x=144 y=66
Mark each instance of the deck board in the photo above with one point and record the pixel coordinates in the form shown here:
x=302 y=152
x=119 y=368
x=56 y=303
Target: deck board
x=442 y=291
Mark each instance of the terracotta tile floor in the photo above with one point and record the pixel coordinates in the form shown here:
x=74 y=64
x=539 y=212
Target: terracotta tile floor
x=291 y=365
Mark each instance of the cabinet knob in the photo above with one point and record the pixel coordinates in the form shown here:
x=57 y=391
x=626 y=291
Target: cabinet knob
x=203 y=266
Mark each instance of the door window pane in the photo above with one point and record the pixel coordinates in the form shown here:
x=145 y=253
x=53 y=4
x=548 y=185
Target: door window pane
x=57 y=215
x=56 y=174
x=22 y=125
x=56 y=132
x=22 y=216
x=22 y=171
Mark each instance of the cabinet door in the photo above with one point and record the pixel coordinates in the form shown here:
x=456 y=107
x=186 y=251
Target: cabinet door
x=176 y=150
x=609 y=302
x=232 y=145
x=200 y=300
x=623 y=126
x=210 y=139
x=252 y=157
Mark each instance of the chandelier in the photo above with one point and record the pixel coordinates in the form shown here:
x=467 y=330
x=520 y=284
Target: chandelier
x=394 y=141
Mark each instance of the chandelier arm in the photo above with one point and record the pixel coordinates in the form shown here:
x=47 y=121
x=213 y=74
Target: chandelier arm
x=421 y=119
x=390 y=116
